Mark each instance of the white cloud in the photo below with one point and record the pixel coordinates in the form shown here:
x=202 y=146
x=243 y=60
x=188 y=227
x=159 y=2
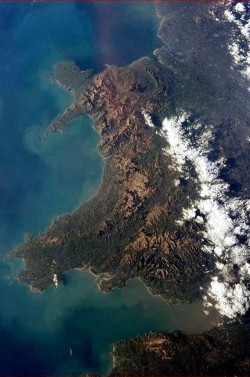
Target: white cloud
x=236 y=14
x=230 y=299
x=224 y=218
x=148 y=118
x=239 y=7
x=55 y=280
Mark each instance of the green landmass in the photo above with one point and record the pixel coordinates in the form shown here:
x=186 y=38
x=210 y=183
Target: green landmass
x=128 y=228
x=221 y=351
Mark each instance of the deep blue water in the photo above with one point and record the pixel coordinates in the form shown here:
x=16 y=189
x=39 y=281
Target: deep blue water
x=40 y=180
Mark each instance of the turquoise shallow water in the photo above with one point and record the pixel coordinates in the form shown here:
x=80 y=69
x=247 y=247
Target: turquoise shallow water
x=40 y=180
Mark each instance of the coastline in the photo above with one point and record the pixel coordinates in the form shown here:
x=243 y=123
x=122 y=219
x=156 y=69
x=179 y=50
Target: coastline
x=129 y=84
x=110 y=142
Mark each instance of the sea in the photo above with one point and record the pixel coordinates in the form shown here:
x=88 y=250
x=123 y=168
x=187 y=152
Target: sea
x=67 y=330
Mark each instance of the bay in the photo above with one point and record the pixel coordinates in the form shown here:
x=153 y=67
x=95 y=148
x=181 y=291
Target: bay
x=66 y=330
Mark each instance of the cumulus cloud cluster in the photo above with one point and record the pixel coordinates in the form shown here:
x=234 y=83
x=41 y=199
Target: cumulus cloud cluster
x=148 y=118
x=238 y=15
x=225 y=220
